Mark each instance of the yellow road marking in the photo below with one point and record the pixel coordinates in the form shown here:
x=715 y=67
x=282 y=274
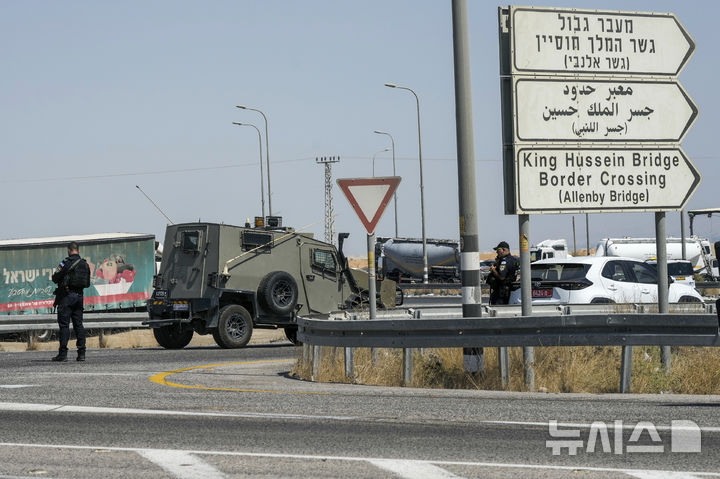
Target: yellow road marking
x=161 y=378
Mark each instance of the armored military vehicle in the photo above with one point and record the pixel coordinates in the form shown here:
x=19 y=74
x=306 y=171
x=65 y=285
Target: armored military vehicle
x=226 y=280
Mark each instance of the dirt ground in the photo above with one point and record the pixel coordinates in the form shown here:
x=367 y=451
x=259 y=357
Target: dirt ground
x=141 y=338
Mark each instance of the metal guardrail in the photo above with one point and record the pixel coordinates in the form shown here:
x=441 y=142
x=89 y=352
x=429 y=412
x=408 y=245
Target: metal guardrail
x=616 y=329
x=34 y=322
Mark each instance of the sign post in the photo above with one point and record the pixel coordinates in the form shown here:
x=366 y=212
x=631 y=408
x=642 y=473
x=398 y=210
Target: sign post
x=369 y=198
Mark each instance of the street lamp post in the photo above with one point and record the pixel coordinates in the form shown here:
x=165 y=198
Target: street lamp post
x=373 y=158
x=262 y=188
x=422 y=188
x=267 y=153
x=392 y=140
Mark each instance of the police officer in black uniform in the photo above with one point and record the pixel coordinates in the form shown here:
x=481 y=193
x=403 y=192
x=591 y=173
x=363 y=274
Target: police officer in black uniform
x=69 y=304
x=502 y=274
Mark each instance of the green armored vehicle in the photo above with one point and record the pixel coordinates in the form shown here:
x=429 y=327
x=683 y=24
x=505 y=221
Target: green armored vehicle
x=226 y=280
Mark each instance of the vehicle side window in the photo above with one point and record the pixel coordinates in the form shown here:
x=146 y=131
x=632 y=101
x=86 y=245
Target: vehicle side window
x=643 y=273
x=190 y=241
x=324 y=259
x=614 y=270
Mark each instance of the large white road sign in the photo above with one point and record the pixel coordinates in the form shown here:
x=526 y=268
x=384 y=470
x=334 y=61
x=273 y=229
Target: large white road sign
x=565 y=180
x=585 y=41
x=604 y=111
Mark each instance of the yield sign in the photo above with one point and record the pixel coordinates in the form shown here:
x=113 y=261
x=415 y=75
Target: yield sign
x=369 y=197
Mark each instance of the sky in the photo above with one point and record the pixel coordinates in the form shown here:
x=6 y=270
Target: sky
x=98 y=97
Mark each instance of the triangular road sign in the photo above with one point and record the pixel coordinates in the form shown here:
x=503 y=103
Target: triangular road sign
x=369 y=197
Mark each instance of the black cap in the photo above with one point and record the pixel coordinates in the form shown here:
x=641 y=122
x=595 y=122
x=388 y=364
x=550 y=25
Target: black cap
x=502 y=244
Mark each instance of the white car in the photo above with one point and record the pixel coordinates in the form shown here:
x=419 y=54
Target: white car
x=600 y=279
x=681 y=271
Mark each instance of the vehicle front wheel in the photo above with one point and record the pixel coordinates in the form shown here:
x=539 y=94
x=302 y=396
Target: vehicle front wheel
x=172 y=337
x=234 y=327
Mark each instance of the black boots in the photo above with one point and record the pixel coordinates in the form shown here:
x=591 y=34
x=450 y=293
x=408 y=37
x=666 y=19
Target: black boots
x=61 y=356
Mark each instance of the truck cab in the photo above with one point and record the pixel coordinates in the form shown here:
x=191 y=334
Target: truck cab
x=225 y=280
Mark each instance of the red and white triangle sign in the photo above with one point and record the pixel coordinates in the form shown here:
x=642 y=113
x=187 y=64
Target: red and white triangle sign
x=369 y=197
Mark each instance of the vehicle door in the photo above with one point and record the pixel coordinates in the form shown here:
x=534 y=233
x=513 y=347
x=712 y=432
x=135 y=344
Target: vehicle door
x=186 y=269
x=321 y=278
x=645 y=280
x=617 y=280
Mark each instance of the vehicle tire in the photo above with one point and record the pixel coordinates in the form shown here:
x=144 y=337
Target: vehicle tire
x=235 y=327
x=291 y=335
x=44 y=335
x=278 y=293
x=602 y=301
x=172 y=337
x=689 y=299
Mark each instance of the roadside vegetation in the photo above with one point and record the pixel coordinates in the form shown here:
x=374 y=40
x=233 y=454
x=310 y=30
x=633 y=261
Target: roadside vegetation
x=557 y=370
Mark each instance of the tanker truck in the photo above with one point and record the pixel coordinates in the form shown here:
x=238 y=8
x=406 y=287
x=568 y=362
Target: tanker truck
x=697 y=251
x=401 y=260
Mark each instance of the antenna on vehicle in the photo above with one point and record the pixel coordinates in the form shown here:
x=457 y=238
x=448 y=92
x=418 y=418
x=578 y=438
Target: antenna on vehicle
x=156 y=206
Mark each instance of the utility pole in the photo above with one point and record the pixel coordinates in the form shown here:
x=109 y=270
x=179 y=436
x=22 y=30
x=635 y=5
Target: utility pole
x=329 y=215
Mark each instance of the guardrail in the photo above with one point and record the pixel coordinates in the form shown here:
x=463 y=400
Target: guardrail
x=571 y=325
x=35 y=322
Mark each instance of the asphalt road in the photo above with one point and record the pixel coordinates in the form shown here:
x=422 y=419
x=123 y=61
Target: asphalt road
x=207 y=412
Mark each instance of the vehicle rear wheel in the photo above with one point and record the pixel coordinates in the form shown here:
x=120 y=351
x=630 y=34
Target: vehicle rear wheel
x=291 y=335
x=172 y=337
x=278 y=293
x=234 y=327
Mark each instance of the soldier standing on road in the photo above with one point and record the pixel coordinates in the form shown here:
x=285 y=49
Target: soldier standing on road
x=502 y=274
x=71 y=276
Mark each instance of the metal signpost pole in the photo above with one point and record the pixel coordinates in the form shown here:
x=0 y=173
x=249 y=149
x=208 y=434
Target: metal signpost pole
x=371 y=275
x=662 y=275
x=682 y=233
x=526 y=296
x=473 y=359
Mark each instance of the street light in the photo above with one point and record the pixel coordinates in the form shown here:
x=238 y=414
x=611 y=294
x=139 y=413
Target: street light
x=267 y=153
x=373 y=158
x=392 y=140
x=262 y=188
x=422 y=188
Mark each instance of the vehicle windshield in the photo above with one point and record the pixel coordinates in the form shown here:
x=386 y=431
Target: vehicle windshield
x=680 y=269
x=559 y=271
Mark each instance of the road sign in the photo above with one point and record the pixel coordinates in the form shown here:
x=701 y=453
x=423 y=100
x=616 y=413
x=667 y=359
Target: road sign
x=591 y=41
x=571 y=180
x=563 y=109
x=369 y=197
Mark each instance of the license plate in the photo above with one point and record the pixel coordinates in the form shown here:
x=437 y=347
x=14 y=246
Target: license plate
x=542 y=293
x=160 y=293
x=180 y=306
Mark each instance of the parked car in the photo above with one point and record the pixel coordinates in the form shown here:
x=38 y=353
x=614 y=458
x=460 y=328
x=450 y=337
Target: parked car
x=599 y=279
x=681 y=271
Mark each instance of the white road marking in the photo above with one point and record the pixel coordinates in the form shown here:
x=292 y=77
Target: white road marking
x=629 y=426
x=662 y=475
x=181 y=464
x=647 y=472
x=16 y=386
x=412 y=469
x=30 y=407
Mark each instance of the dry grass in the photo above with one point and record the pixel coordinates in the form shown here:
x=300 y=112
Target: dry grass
x=561 y=369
